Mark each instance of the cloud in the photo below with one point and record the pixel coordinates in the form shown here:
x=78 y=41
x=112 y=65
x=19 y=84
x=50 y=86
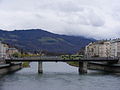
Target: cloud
x=89 y=18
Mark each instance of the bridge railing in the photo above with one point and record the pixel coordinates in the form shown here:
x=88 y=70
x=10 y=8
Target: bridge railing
x=59 y=58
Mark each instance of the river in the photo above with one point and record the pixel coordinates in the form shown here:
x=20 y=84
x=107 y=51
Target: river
x=58 y=76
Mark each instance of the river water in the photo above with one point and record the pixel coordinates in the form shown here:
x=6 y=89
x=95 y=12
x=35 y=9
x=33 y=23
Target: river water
x=58 y=76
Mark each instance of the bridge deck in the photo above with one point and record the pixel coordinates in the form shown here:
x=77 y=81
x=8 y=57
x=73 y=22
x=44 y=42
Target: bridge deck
x=58 y=59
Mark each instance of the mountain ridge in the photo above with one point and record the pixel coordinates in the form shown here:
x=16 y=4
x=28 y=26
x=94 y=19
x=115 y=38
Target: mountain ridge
x=38 y=39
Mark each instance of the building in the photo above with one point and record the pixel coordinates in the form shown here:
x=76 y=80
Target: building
x=89 y=50
x=108 y=48
x=3 y=54
x=3 y=49
x=115 y=48
x=105 y=49
x=11 y=51
x=6 y=51
x=98 y=49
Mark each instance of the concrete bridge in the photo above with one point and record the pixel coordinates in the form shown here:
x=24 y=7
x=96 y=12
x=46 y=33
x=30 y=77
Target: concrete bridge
x=82 y=62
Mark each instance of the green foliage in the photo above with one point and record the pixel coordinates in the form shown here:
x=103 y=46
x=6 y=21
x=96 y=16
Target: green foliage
x=17 y=55
x=24 y=55
x=72 y=56
x=13 y=36
x=76 y=64
x=14 y=40
x=77 y=57
x=3 y=39
x=60 y=39
x=26 y=64
x=29 y=55
x=48 y=40
x=65 y=57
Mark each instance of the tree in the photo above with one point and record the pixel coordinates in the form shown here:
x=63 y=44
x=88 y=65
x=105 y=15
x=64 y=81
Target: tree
x=16 y=54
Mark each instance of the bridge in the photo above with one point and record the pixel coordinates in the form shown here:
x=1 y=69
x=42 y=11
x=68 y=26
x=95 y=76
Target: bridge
x=82 y=62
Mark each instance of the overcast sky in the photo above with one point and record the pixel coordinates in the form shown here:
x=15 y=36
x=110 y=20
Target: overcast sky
x=91 y=18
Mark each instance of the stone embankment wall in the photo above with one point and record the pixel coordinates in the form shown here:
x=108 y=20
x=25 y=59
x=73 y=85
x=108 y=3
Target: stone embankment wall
x=7 y=68
x=100 y=66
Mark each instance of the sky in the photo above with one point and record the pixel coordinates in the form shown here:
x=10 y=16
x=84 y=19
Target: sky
x=99 y=19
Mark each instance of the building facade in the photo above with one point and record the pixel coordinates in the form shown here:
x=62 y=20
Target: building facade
x=6 y=51
x=98 y=49
x=3 y=54
x=11 y=51
x=108 y=48
x=115 y=48
x=3 y=49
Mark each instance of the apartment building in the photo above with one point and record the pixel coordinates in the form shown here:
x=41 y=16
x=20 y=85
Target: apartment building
x=6 y=51
x=108 y=48
x=98 y=49
x=115 y=48
x=3 y=49
x=11 y=51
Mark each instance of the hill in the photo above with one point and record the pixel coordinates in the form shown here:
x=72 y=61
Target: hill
x=37 y=39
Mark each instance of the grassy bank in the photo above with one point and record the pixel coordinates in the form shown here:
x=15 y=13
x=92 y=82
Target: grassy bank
x=26 y=64
x=75 y=64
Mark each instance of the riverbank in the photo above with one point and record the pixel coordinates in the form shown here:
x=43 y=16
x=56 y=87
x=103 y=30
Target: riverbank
x=115 y=68
x=8 y=68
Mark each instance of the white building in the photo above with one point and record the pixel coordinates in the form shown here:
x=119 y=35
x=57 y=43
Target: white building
x=3 y=50
x=98 y=49
x=109 y=48
x=115 y=48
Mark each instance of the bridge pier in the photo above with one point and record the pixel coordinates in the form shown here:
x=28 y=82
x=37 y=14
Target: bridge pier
x=119 y=61
x=40 y=68
x=82 y=67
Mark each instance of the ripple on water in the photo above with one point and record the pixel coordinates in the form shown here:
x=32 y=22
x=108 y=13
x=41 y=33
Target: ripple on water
x=59 y=76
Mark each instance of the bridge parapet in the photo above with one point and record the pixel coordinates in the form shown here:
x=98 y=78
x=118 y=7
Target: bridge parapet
x=59 y=59
x=82 y=61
